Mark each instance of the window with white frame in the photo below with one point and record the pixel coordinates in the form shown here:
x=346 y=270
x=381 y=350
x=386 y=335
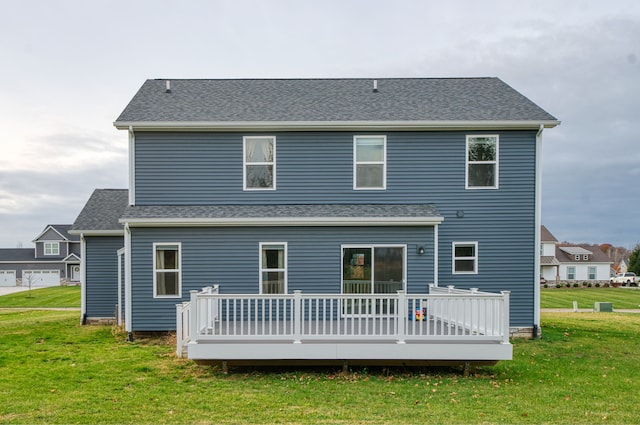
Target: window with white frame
x=167 y=276
x=571 y=273
x=369 y=162
x=259 y=162
x=51 y=248
x=465 y=257
x=482 y=162
x=576 y=257
x=273 y=268
x=592 y=273
x=585 y=257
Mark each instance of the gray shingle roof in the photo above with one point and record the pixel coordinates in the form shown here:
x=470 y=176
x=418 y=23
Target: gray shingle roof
x=330 y=100
x=364 y=211
x=102 y=211
x=597 y=256
x=17 y=254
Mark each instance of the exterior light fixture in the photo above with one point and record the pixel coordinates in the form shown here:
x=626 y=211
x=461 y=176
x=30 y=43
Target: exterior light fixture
x=420 y=250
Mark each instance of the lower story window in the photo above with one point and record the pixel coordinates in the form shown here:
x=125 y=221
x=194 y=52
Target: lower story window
x=592 y=273
x=166 y=270
x=571 y=273
x=273 y=268
x=465 y=257
x=373 y=269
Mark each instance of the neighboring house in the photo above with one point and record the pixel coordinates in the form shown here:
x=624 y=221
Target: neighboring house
x=623 y=266
x=55 y=258
x=101 y=237
x=348 y=190
x=583 y=262
x=562 y=261
x=549 y=264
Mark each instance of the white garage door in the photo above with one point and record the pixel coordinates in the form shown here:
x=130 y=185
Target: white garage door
x=41 y=277
x=7 y=278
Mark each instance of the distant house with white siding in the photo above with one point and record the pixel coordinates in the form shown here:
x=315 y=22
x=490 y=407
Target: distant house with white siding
x=569 y=262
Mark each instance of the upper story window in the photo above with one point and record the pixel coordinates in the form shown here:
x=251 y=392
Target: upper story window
x=482 y=162
x=465 y=257
x=273 y=268
x=576 y=257
x=167 y=277
x=51 y=248
x=369 y=162
x=259 y=162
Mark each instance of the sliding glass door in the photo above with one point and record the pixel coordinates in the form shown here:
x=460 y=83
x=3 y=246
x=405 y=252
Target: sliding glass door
x=373 y=269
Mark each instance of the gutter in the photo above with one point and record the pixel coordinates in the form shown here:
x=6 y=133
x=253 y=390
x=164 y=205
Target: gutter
x=132 y=126
x=282 y=221
x=538 y=237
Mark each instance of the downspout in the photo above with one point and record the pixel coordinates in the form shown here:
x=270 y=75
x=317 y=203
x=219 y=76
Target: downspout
x=435 y=254
x=538 y=223
x=83 y=280
x=127 y=280
x=132 y=166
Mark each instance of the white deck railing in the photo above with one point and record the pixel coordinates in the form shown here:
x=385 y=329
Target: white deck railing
x=445 y=314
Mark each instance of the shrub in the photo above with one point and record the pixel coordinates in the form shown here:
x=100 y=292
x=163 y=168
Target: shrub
x=597 y=284
x=606 y=284
x=558 y=285
x=546 y=285
x=568 y=285
x=590 y=285
x=576 y=285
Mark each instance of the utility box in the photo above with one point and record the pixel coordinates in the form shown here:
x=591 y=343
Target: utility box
x=602 y=307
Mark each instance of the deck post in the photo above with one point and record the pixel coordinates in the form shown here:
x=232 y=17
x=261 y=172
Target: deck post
x=179 y=326
x=297 y=317
x=505 y=313
x=193 y=334
x=402 y=317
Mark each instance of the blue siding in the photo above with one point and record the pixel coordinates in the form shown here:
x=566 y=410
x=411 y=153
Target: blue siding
x=101 y=283
x=229 y=257
x=316 y=168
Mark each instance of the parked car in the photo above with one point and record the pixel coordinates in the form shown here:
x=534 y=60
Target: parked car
x=624 y=278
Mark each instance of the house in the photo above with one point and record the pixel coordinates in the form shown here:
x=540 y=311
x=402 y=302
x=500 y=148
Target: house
x=330 y=218
x=55 y=258
x=101 y=236
x=582 y=262
x=549 y=264
x=571 y=262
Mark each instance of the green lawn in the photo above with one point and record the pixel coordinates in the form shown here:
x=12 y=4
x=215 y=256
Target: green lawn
x=622 y=298
x=52 y=370
x=57 y=296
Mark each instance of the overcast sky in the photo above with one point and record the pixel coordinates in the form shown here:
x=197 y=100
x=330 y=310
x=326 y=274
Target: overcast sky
x=68 y=68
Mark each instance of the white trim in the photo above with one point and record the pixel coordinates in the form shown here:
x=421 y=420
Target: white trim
x=283 y=221
x=178 y=270
x=71 y=257
x=132 y=166
x=335 y=125
x=373 y=247
x=383 y=162
x=436 y=255
x=496 y=162
x=127 y=279
x=46 y=230
x=98 y=232
x=52 y=244
x=83 y=277
x=60 y=262
x=285 y=269
x=120 y=254
x=538 y=225
x=245 y=164
x=454 y=258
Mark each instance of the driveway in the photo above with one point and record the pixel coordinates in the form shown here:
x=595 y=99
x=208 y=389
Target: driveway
x=6 y=290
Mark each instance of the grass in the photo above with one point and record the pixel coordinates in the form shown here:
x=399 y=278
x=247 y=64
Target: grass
x=57 y=296
x=621 y=298
x=52 y=370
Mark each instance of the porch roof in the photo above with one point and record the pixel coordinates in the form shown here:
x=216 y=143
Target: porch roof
x=284 y=215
